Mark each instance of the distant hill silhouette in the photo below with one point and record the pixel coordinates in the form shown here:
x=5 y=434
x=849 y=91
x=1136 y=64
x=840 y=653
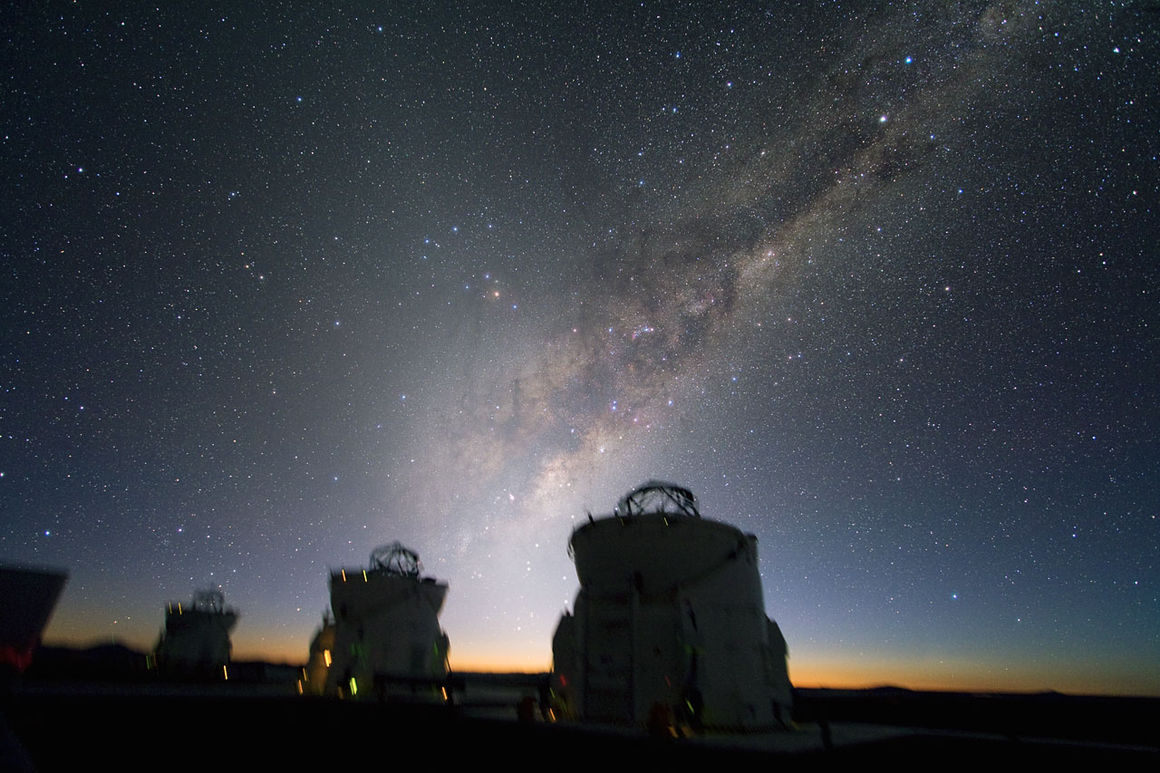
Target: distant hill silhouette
x=119 y=664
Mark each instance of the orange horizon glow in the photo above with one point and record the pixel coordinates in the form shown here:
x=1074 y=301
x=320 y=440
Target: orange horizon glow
x=965 y=676
x=924 y=675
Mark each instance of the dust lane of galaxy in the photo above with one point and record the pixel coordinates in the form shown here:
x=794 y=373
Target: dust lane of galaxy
x=878 y=285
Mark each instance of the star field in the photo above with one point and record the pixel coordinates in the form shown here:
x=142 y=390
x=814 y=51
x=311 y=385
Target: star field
x=879 y=285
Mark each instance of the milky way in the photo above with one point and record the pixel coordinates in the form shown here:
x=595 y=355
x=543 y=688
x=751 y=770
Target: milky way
x=878 y=285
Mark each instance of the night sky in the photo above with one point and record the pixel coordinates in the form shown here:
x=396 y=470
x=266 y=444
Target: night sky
x=282 y=283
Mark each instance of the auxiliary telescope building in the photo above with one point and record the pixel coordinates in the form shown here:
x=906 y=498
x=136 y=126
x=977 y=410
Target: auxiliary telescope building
x=196 y=637
x=384 y=635
x=669 y=625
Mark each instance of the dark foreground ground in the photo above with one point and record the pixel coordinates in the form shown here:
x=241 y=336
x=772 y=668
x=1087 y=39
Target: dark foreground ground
x=182 y=729
x=102 y=708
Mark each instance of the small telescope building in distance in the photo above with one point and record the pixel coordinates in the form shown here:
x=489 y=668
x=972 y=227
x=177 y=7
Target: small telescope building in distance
x=383 y=636
x=669 y=629
x=196 y=637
